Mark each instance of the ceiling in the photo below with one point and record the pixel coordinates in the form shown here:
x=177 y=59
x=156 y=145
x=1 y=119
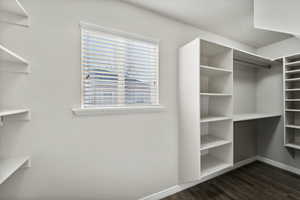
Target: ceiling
x=229 y=18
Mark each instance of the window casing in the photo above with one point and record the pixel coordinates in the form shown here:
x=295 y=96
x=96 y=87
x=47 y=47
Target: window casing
x=118 y=69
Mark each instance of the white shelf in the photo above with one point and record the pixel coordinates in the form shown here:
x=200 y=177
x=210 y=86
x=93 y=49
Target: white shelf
x=292 y=79
x=10 y=165
x=293 y=146
x=292 y=89
x=211 y=165
x=209 y=141
x=213 y=71
x=296 y=71
x=292 y=126
x=7 y=55
x=12 y=12
x=292 y=110
x=4 y=113
x=292 y=100
x=291 y=64
x=214 y=118
x=253 y=116
x=215 y=94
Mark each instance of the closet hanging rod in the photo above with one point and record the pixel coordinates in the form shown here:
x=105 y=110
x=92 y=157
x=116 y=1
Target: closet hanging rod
x=251 y=63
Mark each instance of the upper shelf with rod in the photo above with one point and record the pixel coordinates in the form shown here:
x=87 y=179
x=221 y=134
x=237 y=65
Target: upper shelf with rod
x=250 y=59
x=12 y=12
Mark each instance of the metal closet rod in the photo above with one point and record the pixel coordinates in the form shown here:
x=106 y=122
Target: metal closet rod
x=251 y=63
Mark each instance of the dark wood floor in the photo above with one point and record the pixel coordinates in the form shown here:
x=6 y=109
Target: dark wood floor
x=257 y=181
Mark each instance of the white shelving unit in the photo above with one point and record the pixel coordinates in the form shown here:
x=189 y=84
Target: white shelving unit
x=291 y=81
x=12 y=12
x=220 y=85
x=8 y=166
x=206 y=68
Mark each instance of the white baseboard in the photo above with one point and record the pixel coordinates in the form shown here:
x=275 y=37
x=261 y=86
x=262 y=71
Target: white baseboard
x=279 y=165
x=179 y=188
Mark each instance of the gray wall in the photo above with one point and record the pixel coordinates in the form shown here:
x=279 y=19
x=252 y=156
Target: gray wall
x=270 y=132
x=282 y=48
x=107 y=157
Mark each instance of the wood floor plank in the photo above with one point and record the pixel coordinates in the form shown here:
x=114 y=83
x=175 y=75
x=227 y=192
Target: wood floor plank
x=256 y=181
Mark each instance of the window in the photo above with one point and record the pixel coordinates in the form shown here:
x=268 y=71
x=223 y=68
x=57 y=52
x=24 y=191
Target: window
x=118 y=69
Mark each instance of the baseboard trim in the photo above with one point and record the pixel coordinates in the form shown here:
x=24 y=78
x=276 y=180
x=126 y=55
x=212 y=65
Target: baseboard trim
x=279 y=165
x=178 y=188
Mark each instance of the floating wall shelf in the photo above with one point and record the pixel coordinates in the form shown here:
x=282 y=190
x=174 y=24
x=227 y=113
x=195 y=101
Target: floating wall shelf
x=8 y=166
x=7 y=55
x=23 y=113
x=12 y=12
x=212 y=165
x=12 y=62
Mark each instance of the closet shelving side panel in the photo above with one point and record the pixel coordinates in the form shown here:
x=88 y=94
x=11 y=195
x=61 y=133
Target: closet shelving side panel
x=284 y=102
x=189 y=101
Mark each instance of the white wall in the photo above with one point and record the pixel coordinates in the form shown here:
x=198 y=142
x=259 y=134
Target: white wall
x=283 y=48
x=101 y=157
x=280 y=16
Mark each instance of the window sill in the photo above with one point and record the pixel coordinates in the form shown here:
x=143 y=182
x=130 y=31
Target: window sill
x=116 y=110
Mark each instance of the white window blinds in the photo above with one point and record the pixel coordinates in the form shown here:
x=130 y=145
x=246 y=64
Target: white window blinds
x=118 y=70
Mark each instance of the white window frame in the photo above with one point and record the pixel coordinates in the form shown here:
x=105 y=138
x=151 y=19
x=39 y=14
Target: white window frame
x=82 y=110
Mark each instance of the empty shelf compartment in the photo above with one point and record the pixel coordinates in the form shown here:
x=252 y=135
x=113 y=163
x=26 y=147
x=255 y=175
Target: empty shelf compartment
x=210 y=141
x=215 y=55
x=211 y=165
